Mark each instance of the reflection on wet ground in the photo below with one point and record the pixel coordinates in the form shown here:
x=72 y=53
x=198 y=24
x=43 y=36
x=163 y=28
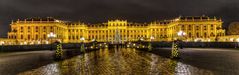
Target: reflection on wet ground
x=122 y=61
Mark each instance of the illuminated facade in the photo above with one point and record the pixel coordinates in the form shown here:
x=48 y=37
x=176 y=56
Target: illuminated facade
x=35 y=30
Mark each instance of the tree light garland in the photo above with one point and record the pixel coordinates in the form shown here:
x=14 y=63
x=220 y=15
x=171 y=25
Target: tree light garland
x=59 y=51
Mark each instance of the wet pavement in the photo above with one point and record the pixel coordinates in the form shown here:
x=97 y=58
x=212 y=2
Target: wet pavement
x=218 y=61
x=15 y=62
x=121 y=61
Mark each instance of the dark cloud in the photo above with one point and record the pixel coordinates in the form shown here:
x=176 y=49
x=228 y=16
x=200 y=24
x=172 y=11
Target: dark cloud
x=95 y=11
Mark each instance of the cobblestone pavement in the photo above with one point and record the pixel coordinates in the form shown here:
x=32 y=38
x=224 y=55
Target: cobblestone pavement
x=15 y=62
x=122 y=61
x=218 y=61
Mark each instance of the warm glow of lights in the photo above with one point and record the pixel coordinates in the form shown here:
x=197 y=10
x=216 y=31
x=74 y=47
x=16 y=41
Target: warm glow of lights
x=209 y=40
x=93 y=40
x=25 y=43
x=38 y=42
x=106 y=46
x=137 y=46
x=31 y=43
x=129 y=42
x=2 y=43
x=148 y=33
x=151 y=37
x=47 y=42
x=141 y=39
x=231 y=39
x=128 y=46
x=51 y=35
x=196 y=40
x=82 y=39
x=57 y=20
x=181 y=33
x=237 y=39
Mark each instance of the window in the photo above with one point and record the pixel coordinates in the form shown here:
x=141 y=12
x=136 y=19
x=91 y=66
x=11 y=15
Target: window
x=212 y=27
x=51 y=29
x=28 y=29
x=21 y=29
x=36 y=37
x=205 y=27
x=183 y=27
x=205 y=34
x=69 y=37
x=197 y=27
x=73 y=37
x=197 y=34
x=44 y=29
x=28 y=37
x=36 y=29
x=44 y=36
x=77 y=37
x=21 y=36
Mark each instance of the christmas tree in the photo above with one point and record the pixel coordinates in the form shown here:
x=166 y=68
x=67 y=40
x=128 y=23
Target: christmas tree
x=59 y=51
x=174 y=51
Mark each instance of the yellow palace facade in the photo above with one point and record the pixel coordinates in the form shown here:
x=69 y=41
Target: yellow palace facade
x=36 y=30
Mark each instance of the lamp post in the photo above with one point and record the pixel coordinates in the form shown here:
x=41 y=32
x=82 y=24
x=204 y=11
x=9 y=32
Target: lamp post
x=141 y=40
x=2 y=43
x=181 y=34
x=51 y=35
x=82 y=45
x=216 y=38
x=150 y=44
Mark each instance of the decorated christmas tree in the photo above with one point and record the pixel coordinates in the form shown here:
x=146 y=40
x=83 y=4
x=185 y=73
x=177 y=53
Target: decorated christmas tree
x=174 y=51
x=59 y=51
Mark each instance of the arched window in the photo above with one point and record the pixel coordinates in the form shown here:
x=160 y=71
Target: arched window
x=197 y=35
x=205 y=34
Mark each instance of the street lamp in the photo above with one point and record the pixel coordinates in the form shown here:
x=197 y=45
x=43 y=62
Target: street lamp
x=150 y=44
x=151 y=38
x=82 y=45
x=181 y=34
x=2 y=43
x=51 y=35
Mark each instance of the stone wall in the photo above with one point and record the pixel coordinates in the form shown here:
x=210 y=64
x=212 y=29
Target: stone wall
x=10 y=48
x=198 y=44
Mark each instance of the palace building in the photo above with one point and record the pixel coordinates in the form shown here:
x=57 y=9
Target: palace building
x=194 y=28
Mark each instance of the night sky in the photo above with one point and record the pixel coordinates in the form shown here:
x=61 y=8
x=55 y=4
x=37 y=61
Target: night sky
x=97 y=11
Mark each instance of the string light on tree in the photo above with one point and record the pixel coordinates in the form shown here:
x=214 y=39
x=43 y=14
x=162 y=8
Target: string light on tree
x=175 y=52
x=59 y=51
